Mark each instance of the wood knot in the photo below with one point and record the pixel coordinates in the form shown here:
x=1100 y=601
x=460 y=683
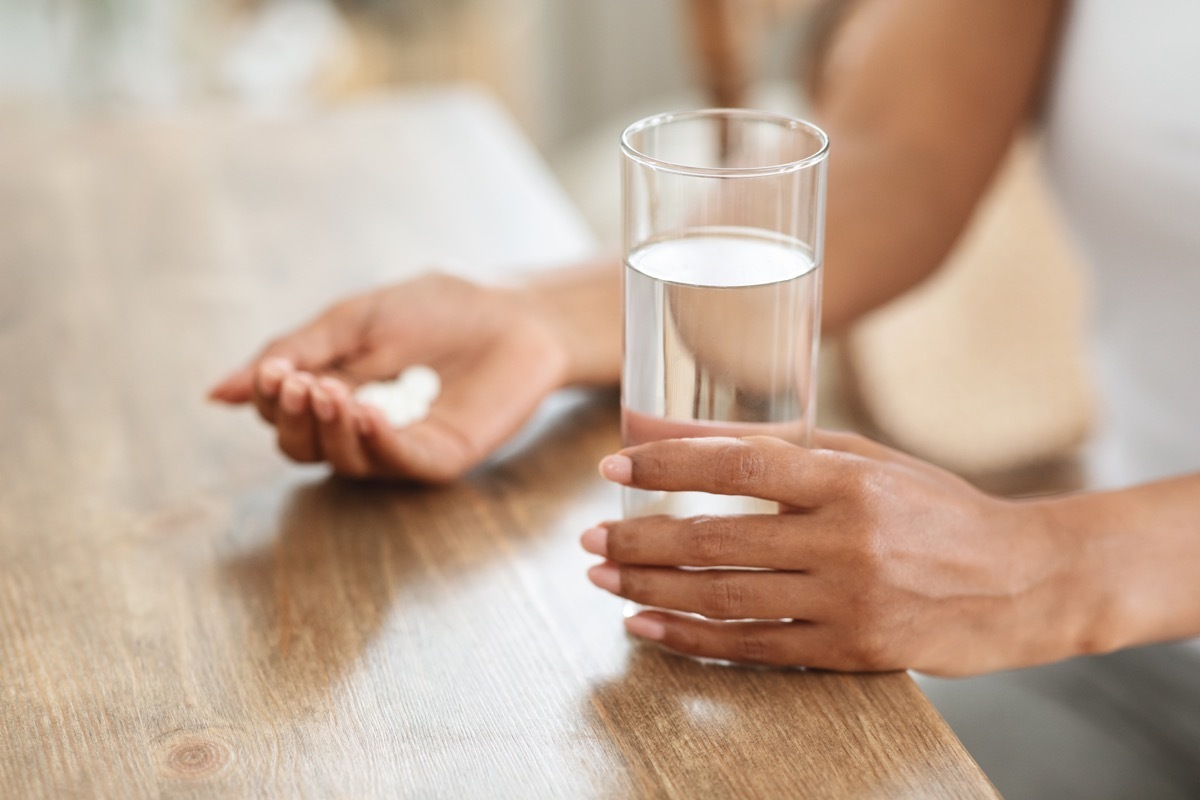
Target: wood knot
x=195 y=757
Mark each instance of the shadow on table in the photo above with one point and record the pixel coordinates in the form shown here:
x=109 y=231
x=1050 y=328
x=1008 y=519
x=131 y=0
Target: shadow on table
x=347 y=553
x=731 y=731
x=718 y=727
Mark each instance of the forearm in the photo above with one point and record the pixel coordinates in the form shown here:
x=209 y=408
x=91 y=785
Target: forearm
x=888 y=226
x=582 y=305
x=921 y=101
x=1136 y=562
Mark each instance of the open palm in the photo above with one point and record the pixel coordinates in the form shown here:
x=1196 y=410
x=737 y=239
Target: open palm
x=496 y=356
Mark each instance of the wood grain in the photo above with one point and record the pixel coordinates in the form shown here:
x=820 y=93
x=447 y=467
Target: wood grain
x=184 y=614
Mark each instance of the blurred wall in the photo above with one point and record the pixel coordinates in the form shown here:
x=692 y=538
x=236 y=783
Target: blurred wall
x=562 y=66
x=558 y=65
x=602 y=57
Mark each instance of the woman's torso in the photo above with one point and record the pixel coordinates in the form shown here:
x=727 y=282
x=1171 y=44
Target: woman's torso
x=1122 y=148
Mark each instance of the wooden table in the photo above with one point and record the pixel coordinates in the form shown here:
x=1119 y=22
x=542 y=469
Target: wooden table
x=184 y=614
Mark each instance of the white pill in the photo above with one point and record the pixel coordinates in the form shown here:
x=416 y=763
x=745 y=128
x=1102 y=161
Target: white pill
x=421 y=382
x=404 y=400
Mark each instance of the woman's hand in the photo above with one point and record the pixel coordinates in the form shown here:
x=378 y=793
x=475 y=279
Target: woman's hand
x=876 y=561
x=497 y=353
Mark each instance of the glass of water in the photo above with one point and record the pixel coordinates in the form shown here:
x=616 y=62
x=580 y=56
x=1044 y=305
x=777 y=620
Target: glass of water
x=723 y=233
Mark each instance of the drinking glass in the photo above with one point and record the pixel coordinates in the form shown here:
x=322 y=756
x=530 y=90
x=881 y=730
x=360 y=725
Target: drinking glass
x=723 y=235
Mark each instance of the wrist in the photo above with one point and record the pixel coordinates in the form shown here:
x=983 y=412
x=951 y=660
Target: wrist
x=581 y=309
x=1083 y=576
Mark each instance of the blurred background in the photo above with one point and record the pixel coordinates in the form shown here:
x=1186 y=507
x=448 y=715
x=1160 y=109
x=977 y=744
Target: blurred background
x=979 y=370
x=570 y=73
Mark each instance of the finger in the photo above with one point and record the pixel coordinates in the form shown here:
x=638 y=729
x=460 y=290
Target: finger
x=779 y=644
x=759 y=466
x=313 y=346
x=268 y=382
x=336 y=429
x=715 y=593
x=478 y=409
x=244 y=383
x=295 y=425
x=770 y=541
x=235 y=388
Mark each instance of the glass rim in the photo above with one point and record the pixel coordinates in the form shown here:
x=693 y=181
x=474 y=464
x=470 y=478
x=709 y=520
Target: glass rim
x=667 y=117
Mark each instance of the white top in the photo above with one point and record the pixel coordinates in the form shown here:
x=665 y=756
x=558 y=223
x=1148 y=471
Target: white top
x=1123 y=155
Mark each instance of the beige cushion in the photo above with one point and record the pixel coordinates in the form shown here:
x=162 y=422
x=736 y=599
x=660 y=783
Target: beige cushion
x=982 y=368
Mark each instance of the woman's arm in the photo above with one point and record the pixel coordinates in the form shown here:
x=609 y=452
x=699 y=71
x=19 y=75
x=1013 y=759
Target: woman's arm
x=1138 y=560
x=921 y=99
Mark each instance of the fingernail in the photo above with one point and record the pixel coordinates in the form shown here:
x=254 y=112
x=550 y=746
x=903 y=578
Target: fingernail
x=646 y=627
x=606 y=576
x=617 y=468
x=292 y=397
x=322 y=405
x=595 y=540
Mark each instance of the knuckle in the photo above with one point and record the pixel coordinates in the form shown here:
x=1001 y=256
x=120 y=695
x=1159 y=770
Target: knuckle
x=867 y=484
x=711 y=542
x=685 y=639
x=871 y=551
x=622 y=542
x=740 y=465
x=764 y=443
x=724 y=597
x=868 y=555
x=752 y=646
x=871 y=653
x=858 y=478
x=868 y=520
x=650 y=464
x=871 y=647
x=617 y=541
x=636 y=586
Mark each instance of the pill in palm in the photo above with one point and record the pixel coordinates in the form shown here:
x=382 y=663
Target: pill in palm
x=404 y=400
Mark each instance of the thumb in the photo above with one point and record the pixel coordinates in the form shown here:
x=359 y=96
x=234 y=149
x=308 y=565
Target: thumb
x=310 y=347
x=235 y=388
